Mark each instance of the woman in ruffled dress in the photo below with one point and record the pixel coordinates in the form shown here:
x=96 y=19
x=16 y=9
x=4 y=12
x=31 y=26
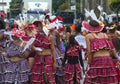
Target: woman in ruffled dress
x=111 y=32
x=116 y=42
x=72 y=69
x=59 y=57
x=68 y=34
x=3 y=45
x=44 y=65
x=31 y=31
x=101 y=69
x=17 y=69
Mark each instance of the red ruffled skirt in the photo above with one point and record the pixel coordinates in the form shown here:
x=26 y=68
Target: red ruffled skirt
x=116 y=67
x=101 y=71
x=70 y=70
x=42 y=65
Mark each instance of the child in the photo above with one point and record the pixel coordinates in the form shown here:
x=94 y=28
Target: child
x=72 y=69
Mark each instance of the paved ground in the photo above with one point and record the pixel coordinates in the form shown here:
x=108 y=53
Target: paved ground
x=85 y=64
x=81 y=82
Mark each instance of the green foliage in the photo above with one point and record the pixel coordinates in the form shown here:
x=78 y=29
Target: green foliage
x=17 y=1
x=56 y=4
x=114 y=5
x=64 y=5
x=77 y=6
x=16 y=7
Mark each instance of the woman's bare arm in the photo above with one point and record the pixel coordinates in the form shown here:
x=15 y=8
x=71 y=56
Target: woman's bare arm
x=88 y=48
x=53 y=51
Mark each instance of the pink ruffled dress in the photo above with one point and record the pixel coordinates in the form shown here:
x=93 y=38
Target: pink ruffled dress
x=42 y=64
x=102 y=69
x=72 y=66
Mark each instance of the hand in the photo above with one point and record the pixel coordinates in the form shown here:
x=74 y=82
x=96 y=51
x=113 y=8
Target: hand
x=80 y=47
x=4 y=54
x=118 y=64
x=61 y=68
x=1 y=49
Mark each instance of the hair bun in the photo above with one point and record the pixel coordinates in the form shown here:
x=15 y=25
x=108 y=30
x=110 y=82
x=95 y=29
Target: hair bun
x=94 y=23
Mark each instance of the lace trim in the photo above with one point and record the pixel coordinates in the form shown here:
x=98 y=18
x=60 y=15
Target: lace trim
x=99 y=83
x=100 y=76
x=42 y=42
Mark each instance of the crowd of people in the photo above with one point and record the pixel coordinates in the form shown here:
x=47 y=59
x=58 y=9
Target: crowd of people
x=49 y=52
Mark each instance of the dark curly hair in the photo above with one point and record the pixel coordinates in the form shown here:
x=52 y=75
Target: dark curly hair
x=116 y=43
x=94 y=23
x=78 y=28
x=2 y=24
x=68 y=29
x=72 y=40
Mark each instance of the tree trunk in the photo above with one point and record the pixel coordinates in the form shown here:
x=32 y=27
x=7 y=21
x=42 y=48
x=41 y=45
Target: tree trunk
x=117 y=16
x=117 y=12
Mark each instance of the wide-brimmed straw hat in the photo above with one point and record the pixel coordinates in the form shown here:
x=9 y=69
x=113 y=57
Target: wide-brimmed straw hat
x=93 y=26
x=37 y=23
x=18 y=32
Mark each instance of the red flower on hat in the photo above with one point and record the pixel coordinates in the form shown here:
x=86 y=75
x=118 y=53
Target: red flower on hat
x=60 y=18
x=53 y=20
x=62 y=28
x=57 y=18
x=18 y=32
x=2 y=13
x=116 y=24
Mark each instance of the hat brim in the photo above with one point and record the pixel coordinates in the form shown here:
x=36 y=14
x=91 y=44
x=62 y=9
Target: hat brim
x=37 y=23
x=90 y=28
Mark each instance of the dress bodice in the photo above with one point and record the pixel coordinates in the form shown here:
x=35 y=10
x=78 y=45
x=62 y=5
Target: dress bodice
x=73 y=51
x=42 y=41
x=14 y=50
x=100 y=43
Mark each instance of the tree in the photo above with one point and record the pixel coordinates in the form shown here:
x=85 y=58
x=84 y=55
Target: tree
x=64 y=5
x=115 y=6
x=16 y=7
x=56 y=4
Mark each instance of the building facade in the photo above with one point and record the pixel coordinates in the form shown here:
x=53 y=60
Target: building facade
x=28 y=4
x=3 y=6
